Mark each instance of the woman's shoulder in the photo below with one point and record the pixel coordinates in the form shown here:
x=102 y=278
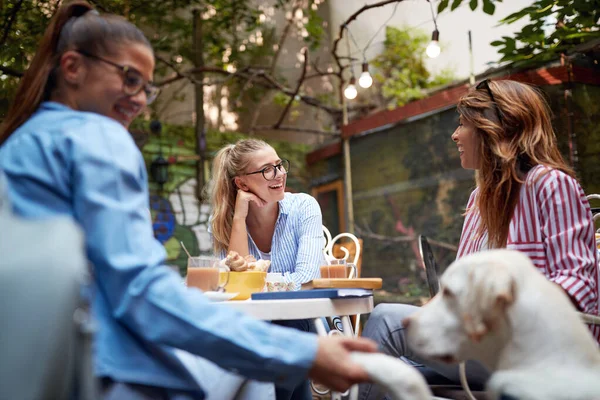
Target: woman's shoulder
x=542 y=175
x=299 y=201
x=56 y=121
x=545 y=180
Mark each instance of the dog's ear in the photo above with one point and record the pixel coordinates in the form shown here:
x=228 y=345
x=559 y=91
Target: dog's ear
x=491 y=290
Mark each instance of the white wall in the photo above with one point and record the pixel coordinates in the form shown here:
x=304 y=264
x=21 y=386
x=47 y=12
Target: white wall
x=453 y=27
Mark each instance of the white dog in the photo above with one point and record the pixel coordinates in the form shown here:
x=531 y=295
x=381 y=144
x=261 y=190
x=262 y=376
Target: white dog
x=497 y=308
x=400 y=380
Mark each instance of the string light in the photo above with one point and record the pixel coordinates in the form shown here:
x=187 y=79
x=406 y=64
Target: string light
x=350 y=92
x=365 y=80
x=433 y=49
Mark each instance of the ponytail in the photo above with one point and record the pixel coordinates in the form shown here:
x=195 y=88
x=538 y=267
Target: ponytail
x=222 y=198
x=33 y=87
x=72 y=27
x=229 y=162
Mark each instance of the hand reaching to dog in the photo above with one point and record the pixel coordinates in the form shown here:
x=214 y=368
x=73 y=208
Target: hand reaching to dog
x=333 y=366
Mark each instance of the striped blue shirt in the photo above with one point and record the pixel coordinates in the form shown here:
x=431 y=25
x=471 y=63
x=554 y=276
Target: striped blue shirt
x=297 y=244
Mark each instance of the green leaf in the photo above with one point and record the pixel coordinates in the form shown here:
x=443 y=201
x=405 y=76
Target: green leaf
x=455 y=4
x=489 y=7
x=497 y=43
x=518 y=15
x=473 y=5
x=442 y=6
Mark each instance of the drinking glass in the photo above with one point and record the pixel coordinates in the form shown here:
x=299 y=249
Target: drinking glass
x=203 y=273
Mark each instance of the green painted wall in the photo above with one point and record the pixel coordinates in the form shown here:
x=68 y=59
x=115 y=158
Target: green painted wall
x=407 y=180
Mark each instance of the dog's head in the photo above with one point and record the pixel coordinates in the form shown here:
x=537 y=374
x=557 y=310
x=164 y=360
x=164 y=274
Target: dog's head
x=470 y=312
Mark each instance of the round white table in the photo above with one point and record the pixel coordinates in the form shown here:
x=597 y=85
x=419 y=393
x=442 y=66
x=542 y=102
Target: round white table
x=315 y=309
x=303 y=308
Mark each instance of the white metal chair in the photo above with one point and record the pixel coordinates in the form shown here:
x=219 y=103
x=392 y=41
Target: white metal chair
x=335 y=323
x=327 y=235
x=46 y=334
x=328 y=251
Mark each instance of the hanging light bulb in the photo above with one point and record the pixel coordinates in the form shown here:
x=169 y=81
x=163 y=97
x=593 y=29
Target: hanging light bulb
x=433 y=50
x=350 y=92
x=365 y=80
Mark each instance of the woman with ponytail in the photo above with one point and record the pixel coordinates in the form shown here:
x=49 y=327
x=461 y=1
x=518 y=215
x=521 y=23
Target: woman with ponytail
x=526 y=199
x=253 y=215
x=65 y=150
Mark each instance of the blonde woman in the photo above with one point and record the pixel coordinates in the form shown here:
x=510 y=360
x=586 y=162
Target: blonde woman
x=526 y=199
x=253 y=215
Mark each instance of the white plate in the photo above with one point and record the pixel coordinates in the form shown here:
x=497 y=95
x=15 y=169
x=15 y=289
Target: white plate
x=220 y=296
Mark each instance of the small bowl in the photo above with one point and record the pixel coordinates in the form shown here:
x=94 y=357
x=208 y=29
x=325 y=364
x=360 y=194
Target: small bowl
x=245 y=283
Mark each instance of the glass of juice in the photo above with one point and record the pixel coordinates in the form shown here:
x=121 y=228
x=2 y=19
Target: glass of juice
x=338 y=268
x=203 y=273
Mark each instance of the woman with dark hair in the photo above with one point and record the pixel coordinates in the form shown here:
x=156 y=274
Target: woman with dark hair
x=65 y=150
x=526 y=199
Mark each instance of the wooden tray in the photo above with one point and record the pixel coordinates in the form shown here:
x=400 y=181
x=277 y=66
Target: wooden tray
x=322 y=283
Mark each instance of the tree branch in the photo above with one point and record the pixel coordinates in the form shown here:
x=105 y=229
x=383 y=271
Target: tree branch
x=11 y=72
x=341 y=35
x=282 y=39
x=267 y=96
x=295 y=129
x=298 y=86
x=11 y=20
x=352 y=18
x=404 y=238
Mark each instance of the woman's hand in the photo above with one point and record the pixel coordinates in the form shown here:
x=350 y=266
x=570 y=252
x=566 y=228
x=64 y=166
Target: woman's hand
x=333 y=366
x=242 y=201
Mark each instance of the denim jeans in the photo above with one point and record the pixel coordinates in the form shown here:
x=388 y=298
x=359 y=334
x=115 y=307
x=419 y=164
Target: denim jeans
x=385 y=328
x=303 y=390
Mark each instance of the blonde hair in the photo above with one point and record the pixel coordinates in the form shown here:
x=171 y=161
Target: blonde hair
x=230 y=161
x=511 y=145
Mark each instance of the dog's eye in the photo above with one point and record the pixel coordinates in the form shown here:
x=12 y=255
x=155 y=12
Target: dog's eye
x=447 y=292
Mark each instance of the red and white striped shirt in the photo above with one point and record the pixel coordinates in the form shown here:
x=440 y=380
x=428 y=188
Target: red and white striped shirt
x=553 y=225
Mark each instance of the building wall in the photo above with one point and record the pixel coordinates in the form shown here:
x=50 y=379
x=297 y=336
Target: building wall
x=407 y=181
x=586 y=128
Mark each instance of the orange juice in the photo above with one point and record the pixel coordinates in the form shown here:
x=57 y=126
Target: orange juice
x=205 y=279
x=333 y=271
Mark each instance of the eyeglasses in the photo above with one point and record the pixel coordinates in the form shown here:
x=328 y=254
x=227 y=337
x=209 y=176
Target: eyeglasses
x=270 y=171
x=485 y=84
x=133 y=82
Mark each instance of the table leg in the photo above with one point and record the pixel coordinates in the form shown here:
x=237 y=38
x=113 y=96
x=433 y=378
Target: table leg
x=348 y=331
x=321 y=331
x=347 y=326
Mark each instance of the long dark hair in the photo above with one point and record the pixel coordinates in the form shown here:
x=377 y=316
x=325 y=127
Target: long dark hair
x=510 y=148
x=75 y=26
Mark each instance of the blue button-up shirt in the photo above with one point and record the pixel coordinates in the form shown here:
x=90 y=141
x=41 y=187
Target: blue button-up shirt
x=297 y=245
x=66 y=162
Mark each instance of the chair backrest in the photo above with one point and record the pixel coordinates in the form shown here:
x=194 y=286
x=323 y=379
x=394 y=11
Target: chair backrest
x=350 y=250
x=327 y=235
x=41 y=277
x=432 y=269
x=353 y=255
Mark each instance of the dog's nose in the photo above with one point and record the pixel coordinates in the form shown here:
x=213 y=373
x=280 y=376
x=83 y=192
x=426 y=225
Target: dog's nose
x=406 y=322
